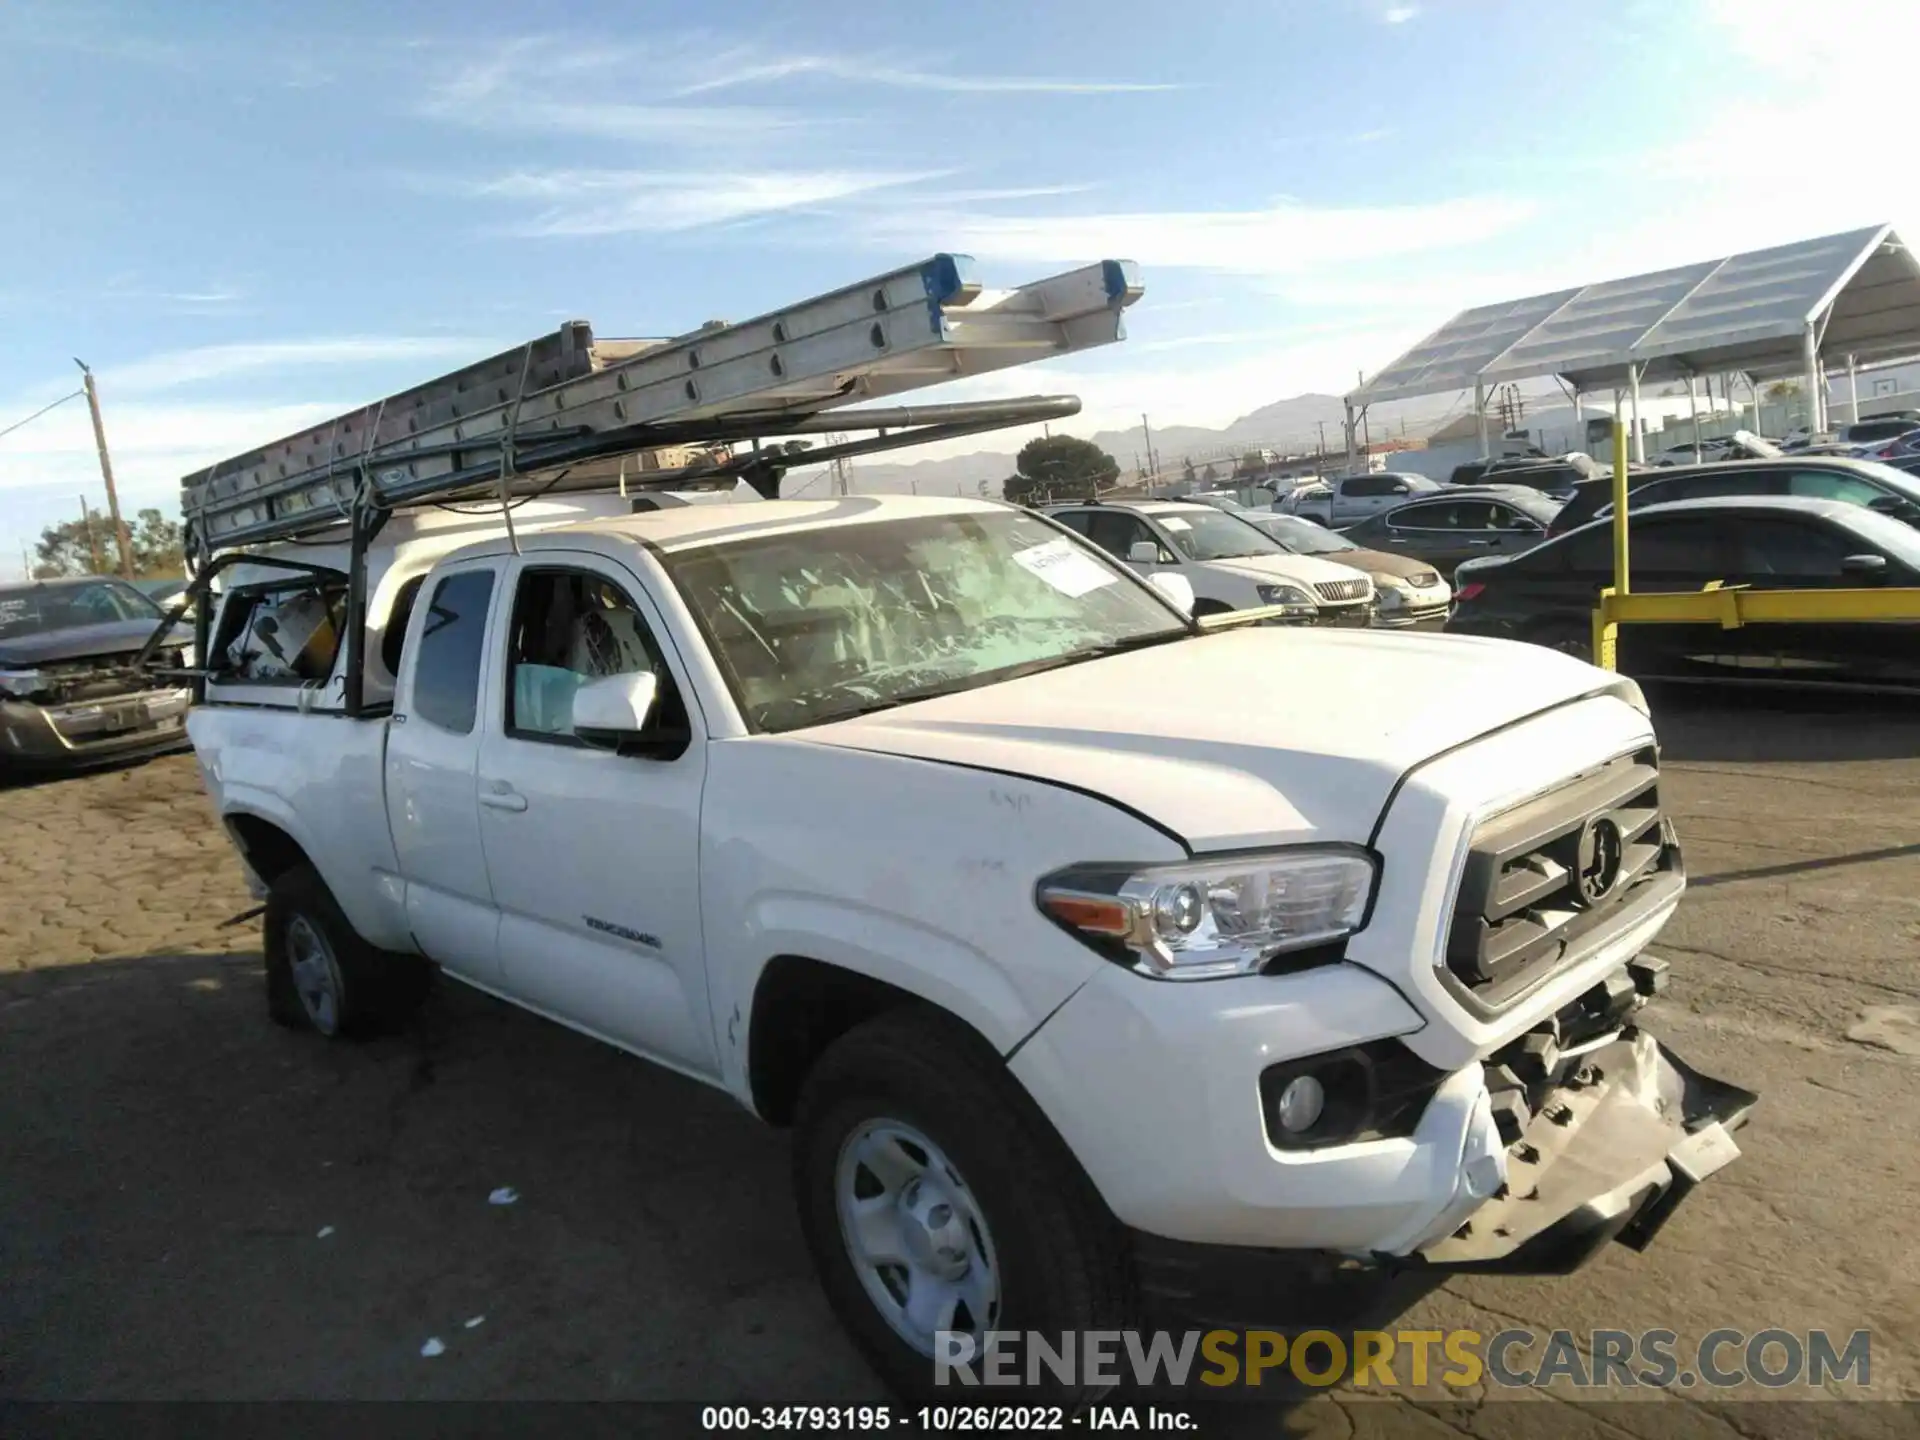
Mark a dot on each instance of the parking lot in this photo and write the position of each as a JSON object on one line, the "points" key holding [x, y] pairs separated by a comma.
{"points": [[195, 1204]]}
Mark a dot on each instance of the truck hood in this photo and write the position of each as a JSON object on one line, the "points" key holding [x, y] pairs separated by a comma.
{"points": [[1258, 736], [115, 639]]}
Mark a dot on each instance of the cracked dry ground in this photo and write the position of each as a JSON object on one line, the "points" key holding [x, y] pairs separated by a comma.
{"points": [[168, 1159]]}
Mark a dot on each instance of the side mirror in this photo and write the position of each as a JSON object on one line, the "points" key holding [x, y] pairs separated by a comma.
{"points": [[1175, 587], [1871, 567], [1144, 552], [1890, 504], [614, 709]]}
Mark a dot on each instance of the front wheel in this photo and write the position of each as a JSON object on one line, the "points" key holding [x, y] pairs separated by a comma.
{"points": [[939, 1206], [322, 976]]}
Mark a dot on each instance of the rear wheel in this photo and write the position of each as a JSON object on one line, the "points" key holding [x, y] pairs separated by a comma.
{"points": [[322, 976], [940, 1206]]}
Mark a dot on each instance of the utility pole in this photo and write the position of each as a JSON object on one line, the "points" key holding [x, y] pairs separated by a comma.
{"points": [[1153, 465], [93, 540], [1322, 452], [106, 474]]}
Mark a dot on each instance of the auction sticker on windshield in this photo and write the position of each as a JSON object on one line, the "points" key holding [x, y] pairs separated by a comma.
{"points": [[1062, 565]]}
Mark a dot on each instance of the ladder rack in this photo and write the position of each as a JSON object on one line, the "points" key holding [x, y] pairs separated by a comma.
{"points": [[567, 400]]}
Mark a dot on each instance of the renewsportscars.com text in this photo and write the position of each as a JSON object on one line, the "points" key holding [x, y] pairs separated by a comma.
{"points": [[1391, 1359]]}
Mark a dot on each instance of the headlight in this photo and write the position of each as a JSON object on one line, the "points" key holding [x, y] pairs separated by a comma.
{"points": [[21, 683], [1630, 692], [1285, 595], [1204, 919]]}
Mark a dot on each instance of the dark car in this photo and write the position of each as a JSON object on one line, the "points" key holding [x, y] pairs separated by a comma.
{"points": [[70, 693], [1858, 482], [1548, 595], [1878, 429], [1459, 524], [1555, 477]]}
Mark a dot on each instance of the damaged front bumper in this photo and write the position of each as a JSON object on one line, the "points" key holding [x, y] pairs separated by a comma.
{"points": [[1606, 1154], [58, 736]]}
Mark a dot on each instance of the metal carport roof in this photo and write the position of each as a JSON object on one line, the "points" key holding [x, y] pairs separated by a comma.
{"points": [[1854, 294]]}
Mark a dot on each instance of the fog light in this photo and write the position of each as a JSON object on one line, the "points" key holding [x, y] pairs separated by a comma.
{"points": [[1301, 1104]]}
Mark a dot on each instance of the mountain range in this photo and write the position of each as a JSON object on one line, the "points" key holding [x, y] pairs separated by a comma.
{"points": [[1293, 425]]}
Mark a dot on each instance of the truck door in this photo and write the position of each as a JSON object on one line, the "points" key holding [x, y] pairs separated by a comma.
{"points": [[595, 856], [433, 747]]}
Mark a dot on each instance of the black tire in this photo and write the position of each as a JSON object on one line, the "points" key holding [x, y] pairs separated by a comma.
{"points": [[1064, 1263], [374, 991]]}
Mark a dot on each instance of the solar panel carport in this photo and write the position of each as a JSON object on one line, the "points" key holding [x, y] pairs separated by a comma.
{"points": [[1764, 314]]}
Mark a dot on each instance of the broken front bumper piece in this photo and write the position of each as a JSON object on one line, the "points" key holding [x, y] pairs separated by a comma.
{"points": [[1609, 1154]]}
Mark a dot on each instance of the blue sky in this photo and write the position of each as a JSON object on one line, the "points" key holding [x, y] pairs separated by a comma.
{"points": [[250, 217]]}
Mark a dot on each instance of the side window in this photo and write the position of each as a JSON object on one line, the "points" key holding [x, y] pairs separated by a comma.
{"points": [[446, 672], [1687, 548], [1421, 517], [1477, 515], [1365, 487], [1506, 517], [1832, 485], [1116, 532], [569, 627], [393, 639], [1074, 520], [1781, 547]]}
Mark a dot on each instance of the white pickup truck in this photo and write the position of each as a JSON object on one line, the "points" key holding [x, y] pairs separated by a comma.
{"points": [[1085, 946]]}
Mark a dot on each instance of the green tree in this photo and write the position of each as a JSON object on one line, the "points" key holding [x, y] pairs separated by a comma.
{"points": [[1060, 467], [68, 549], [157, 547]]}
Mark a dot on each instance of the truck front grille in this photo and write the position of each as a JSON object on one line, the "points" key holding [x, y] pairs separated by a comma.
{"points": [[1563, 872], [1338, 590]]}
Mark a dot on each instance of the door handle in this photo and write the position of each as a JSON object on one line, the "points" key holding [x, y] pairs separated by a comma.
{"points": [[503, 797]]}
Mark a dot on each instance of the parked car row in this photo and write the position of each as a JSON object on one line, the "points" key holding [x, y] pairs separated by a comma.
{"points": [[1527, 564]]}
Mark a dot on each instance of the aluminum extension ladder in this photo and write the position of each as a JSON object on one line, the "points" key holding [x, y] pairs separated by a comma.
{"points": [[918, 326]]}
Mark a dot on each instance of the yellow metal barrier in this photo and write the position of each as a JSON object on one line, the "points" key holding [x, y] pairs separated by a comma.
{"points": [[1727, 606]]}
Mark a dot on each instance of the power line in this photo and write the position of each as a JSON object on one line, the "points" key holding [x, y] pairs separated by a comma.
{"points": [[42, 410]]}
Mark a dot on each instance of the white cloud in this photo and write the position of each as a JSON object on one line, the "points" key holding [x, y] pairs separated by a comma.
{"points": [[1286, 239], [179, 368], [614, 202], [873, 70], [1399, 14]]}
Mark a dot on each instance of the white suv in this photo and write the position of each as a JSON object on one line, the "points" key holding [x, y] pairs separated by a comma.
{"points": [[1231, 564]]}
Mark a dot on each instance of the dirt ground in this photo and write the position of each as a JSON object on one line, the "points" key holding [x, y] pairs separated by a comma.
{"points": [[195, 1204]]}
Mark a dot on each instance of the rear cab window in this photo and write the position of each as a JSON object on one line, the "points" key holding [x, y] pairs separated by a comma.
{"points": [[453, 635]]}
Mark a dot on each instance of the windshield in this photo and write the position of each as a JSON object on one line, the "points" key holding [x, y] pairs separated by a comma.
{"points": [[41, 609], [1303, 537], [1206, 534], [1890, 476], [819, 625]]}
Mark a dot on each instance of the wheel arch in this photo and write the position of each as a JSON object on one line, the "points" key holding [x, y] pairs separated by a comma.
{"points": [[801, 1005]]}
